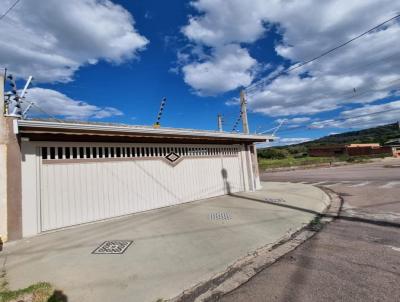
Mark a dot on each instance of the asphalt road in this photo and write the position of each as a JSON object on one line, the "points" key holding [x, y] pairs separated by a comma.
{"points": [[354, 258]]}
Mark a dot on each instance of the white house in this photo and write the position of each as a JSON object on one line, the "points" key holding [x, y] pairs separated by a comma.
{"points": [[61, 174]]}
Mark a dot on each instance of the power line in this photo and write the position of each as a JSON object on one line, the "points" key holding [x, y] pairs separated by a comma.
{"points": [[263, 81], [352, 94], [45, 112], [8, 10], [339, 120], [347, 96]]}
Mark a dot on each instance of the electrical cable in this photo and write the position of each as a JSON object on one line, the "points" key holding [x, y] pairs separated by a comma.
{"points": [[348, 96], [8, 10], [338, 120], [263, 81], [45, 112]]}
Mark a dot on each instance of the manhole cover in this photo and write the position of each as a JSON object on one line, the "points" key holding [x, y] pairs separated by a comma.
{"points": [[275, 200], [220, 216], [113, 247]]}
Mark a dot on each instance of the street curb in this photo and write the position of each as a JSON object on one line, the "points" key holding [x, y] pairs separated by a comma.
{"points": [[245, 268]]}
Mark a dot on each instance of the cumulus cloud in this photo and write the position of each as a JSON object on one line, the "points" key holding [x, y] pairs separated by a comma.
{"points": [[361, 72], [295, 120], [364, 117], [220, 27], [224, 22], [52, 39], [58, 104], [228, 68], [284, 141]]}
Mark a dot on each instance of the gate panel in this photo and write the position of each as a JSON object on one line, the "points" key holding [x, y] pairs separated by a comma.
{"points": [[84, 182]]}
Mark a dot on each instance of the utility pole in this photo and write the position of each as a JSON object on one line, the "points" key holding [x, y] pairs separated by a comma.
{"points": [[243, 110], [220, 122], [252, 150]]}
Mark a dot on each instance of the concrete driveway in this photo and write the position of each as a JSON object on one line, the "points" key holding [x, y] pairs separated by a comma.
{"points": [[173, 248]]}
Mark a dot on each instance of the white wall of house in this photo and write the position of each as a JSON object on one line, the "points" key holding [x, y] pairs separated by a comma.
{"points": [[58, 191]]}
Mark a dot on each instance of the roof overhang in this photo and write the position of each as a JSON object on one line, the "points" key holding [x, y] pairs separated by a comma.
{"points": [[48, 130]]}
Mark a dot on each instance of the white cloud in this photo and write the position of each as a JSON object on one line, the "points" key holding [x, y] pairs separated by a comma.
{"points": [[58, 104], [364, 117], [229, 67], [293, 140], [370, 65], [52, 39], [224, 22], [232, 102], [285, 141], [221, 27], [295, 120]]}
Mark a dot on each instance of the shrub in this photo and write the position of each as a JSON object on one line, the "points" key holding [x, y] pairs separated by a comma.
{"points": [[271, 153]]}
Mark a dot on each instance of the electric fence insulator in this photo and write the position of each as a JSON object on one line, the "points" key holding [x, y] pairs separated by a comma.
{"points": [[160, 112]]}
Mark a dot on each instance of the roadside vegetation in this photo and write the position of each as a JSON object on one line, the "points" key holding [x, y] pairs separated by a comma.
{"points": [[293, 156], [291, 162], [289, 156], [296, 155], [39, 292]]}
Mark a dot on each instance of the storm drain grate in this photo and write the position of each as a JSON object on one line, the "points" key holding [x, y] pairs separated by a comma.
{"points": [[275, 200], [113, 247], [220, 216]]}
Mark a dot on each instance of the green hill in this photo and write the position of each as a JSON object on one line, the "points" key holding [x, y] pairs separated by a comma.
{"points": [[379, 134]]}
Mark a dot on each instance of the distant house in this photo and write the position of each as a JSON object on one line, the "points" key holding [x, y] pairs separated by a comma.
{"points": [[395, 145], [331, 150], [349, 150]]}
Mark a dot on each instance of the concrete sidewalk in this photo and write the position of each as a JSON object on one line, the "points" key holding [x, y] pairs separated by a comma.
{"points": [[173, 248]]}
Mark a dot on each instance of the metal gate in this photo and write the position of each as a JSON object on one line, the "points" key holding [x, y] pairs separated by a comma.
{"points": [[82, 182]]}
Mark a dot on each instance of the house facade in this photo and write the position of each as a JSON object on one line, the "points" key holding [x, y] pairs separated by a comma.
{"points": [[61, 174]]}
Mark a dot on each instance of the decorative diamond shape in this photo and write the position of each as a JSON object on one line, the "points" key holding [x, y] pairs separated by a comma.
{"points": [[172, 157], [113, 247]]}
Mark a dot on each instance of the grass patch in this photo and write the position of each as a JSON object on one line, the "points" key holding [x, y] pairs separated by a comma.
{"points": [[315, 224], [292, 161], [39, 292]]}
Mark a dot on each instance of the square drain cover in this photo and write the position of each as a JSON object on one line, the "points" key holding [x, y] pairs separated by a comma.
{"points": [[220, 216], [113, 247]]}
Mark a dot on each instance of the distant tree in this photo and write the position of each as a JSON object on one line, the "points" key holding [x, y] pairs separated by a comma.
{"points": [[272, 153]]}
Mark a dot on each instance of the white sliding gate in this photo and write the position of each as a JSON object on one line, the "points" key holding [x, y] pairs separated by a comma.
{"points": [[84, 182]]}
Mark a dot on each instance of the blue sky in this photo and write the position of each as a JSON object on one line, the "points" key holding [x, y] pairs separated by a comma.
{"points": [[113, 61]]}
